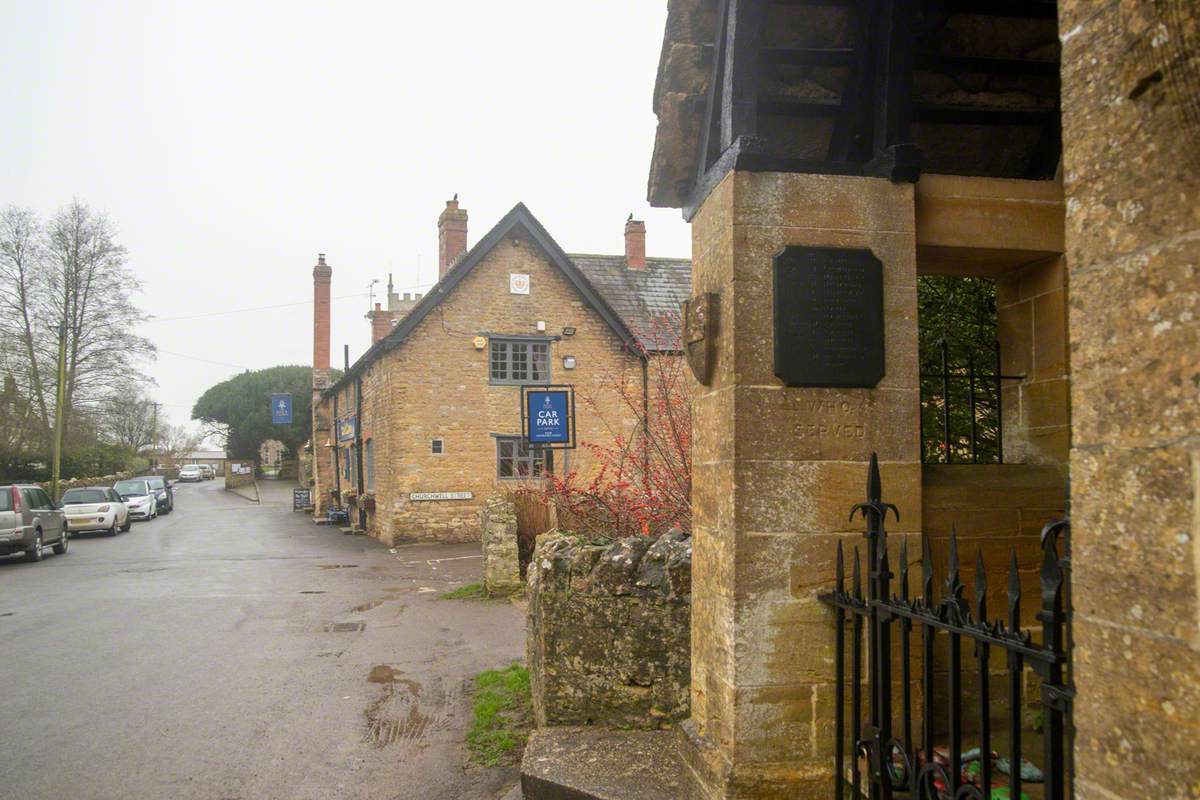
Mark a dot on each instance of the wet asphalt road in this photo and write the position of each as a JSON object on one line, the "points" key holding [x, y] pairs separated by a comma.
{"points": [[193, 657]]}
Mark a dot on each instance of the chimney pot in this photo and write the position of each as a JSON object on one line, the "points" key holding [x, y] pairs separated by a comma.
{"points": [[635, 243], [322, 277], [452, 236]]}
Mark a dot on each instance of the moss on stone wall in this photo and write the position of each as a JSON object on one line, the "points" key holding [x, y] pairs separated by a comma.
{"points": [[609, 631]]}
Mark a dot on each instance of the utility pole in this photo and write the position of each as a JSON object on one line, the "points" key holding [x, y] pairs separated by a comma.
{"points": [[154, 428], [60, 401]]}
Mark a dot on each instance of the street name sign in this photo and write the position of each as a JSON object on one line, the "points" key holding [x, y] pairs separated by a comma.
{"points": [[419, 496]]}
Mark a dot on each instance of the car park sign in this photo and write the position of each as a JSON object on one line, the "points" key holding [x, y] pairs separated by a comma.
{"points": [[281, 409], [548, 414]]}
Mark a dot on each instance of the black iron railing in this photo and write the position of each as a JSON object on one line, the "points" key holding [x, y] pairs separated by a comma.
{"points": [[886, 760], [962, 415]]}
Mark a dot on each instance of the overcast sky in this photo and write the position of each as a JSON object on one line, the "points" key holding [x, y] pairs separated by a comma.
{"points": [[231, 142]]}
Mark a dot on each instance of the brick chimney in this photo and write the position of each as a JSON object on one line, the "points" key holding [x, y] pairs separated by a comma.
{"points": [[635, 243], [452, 236], [322, 277], [381, 323]]}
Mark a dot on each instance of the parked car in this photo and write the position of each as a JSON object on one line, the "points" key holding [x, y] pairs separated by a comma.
{"points": [[139, 497], [96, 508], [190, 473], [29, 520], [164, 495], [208, 471]]}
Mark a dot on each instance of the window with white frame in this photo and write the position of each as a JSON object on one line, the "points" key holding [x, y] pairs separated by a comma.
{"points": [[515, 459], [519, 361], [437, 446]]}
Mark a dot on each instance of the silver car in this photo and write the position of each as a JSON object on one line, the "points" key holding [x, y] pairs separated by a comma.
{"points": [[29, 520], [141, 501]]}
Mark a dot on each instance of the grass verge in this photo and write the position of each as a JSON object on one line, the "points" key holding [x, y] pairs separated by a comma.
{"points": [[475, 591], [501, 716], [472, 591]]}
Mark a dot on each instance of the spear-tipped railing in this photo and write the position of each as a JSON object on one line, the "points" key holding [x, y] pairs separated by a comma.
{"points": [[884, 762]]}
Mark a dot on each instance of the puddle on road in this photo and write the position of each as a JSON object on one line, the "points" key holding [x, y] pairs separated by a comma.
{"points": [[338, 566], [368, 605], [386, 674], [399, 717], [144, 569]]}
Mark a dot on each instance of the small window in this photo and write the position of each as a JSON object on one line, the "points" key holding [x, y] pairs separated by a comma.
{"points": [[516, 361], [437, 447], [515, 460], [6, 499], [370, 466]]}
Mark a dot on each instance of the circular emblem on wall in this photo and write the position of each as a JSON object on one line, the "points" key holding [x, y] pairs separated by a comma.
{"points": [[518, 283]]}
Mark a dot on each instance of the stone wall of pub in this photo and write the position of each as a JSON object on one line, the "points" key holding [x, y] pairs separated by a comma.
{"points": [[435, 386]]}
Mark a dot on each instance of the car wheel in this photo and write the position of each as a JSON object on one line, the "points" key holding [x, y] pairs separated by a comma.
{"points": [[128, 524], [112, 531], [60, 547], [35, 553]]}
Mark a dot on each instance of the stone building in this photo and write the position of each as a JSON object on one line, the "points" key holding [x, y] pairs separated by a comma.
{"points": [[1049, 148], [427, 423]]}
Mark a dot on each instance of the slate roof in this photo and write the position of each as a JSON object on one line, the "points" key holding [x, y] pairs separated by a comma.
{"points": [[646, 300], [626, 303]]}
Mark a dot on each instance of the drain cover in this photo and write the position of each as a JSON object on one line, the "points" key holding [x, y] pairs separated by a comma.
{"points": [[345, 627]]}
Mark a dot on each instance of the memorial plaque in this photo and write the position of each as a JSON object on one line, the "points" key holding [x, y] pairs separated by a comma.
{"points": [[828, 317]]}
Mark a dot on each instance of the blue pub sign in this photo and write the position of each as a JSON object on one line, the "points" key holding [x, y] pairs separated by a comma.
{"points": [[281, 409], [549, 416]]}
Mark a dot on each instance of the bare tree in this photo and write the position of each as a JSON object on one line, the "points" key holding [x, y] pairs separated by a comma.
{"points": [[129, 422], [89, 297], [177, 441], [22, 293]]}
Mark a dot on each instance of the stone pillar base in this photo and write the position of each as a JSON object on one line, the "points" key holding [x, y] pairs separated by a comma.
{"points": [[707, 775]]}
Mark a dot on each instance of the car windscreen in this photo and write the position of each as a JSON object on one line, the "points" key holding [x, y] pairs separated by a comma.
{"points": [[125, 488], [81, 496], [157, 483]]}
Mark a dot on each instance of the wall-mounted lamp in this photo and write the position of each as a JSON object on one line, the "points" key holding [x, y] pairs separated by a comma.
{"points": [[569, 330], [479, 342], [568, 362], [541, 326]]}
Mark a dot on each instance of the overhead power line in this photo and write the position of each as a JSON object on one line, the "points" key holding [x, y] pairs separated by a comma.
{"points": [[276, 305]]}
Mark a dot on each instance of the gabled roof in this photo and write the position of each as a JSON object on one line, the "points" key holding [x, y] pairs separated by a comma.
{"points": [[646, 299], [518, 218]]}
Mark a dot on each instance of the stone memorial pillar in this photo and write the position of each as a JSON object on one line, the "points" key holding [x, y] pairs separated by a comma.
{"points": [[777, 468]]}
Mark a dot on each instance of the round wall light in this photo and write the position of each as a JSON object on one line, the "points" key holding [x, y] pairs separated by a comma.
{"points": [[568, 362]]}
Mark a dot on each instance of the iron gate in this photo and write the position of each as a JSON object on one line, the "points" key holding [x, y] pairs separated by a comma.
{"points": [[884, 760]]}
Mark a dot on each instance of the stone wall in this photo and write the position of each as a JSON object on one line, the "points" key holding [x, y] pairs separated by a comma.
{"points": [[501, 558], [1133, 250], [608, 638]]}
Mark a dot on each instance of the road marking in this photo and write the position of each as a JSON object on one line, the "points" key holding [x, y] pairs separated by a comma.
{"points": [[432, 561]]}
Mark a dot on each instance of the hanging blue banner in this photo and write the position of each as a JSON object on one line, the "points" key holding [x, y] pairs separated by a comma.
{"points": [[548, 416], [281, 409], [347, 428]]}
